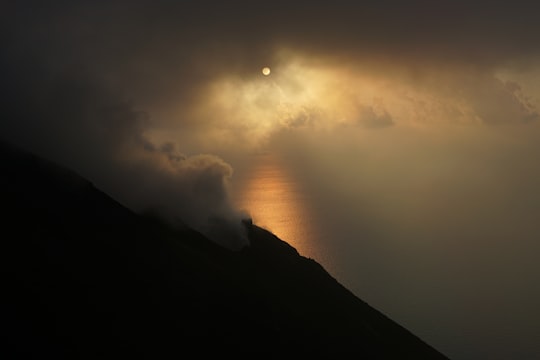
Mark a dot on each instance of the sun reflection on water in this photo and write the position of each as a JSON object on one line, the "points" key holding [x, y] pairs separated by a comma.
{"points": [[275, 202]]}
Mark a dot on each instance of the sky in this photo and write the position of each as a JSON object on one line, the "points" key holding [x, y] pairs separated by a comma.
{"points": [[413, 125]]}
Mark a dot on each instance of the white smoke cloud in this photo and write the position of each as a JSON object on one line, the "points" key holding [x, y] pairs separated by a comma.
{"points": [[185, 190], [92, 130]]}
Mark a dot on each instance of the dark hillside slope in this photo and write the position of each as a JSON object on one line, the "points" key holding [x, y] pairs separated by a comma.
{"points": [[85, 277]]}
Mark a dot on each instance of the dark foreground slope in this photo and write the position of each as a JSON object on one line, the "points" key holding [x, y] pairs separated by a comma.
{"points": [[84, 277]]}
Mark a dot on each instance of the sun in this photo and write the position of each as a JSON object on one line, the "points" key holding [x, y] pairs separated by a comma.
{"points": [[266, 71]]}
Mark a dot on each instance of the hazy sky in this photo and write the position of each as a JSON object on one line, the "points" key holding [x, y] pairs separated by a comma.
{"points": [[415, 123]]}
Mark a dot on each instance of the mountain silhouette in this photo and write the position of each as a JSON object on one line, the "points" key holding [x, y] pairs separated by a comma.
{"points": [[87, 278]]}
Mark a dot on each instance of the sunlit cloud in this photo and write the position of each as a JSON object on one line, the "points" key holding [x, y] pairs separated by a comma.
{"points": [[321, 95]]}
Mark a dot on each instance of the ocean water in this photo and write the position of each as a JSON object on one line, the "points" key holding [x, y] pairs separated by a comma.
{"points": [[277, 202], [455, 285]]}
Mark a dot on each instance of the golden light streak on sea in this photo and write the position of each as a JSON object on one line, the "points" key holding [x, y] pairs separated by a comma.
{"points": [[275, 202]]}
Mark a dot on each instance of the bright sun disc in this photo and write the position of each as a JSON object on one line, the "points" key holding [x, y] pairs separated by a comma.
{"points": [[266, 71]]}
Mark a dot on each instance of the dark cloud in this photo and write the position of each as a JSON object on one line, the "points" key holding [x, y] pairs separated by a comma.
{"points": [[151, 39], [370, 118], [503, 102]]}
